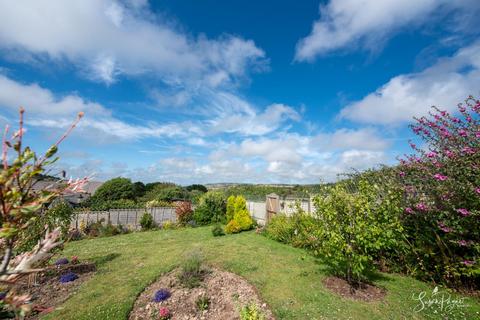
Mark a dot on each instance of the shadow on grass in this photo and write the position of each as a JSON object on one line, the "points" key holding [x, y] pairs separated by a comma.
{"points": [[102, 260]]}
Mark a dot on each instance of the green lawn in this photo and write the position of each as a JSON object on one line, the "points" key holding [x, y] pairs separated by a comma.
{"points": [[288, 279]]}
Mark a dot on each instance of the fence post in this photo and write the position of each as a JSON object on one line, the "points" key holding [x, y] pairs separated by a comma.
{"points": [[109, 221]]}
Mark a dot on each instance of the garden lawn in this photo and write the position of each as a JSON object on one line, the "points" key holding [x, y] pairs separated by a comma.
{"points": [[288, 279]]}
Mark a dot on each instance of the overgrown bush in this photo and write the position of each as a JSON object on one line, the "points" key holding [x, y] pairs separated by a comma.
{"points": [[281, 228], [211, 209], [441, 182], [146, 222], [184, 213], [354, 224]]}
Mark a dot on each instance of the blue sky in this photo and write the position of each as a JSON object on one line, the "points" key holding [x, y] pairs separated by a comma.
{"points": [[233, 91]]}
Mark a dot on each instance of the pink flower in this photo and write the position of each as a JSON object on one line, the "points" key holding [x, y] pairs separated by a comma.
{"points": [[462, 243], [432, 154], [421, 206], [462, 133], [440, 177], [449, 153], [468, 150], [164, 313], [463, 212], [444, 228], [477, 190], [477, 134], [401, 174], [468, 263], [409, 210]]}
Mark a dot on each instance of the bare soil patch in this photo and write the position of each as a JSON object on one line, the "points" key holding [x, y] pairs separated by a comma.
{"points": [[364, 291], [47, 292], [227, 293]]}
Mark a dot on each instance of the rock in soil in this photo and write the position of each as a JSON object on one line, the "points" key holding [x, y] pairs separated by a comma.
{"points": [[227, 293]]}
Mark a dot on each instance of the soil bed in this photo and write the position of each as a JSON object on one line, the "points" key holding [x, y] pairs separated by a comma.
{"points": [[47, 292], [365, 291], [227, 293]]}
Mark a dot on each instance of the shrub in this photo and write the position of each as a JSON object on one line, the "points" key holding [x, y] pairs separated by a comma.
{"points": [[192, 273], [161, 295], [184, 213], [211, 209], [202, 303], [146, 222], [233, 227], [243, 219], [230, 207], [217, 230], [281, 228], [355, 223], [251, 312], [197, 187], [168, 225], [441, 184]]}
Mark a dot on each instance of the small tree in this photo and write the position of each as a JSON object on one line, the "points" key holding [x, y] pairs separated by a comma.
{"points": [[184, 213], [354, 226], [230, 207], [146, 222], [115, 189], [211, 209]]}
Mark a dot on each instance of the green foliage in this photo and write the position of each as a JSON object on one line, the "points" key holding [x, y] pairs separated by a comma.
{"points": [[354, 226], [217, 230], [198, 187], [202, 303], [96, 205], [192, 272], [165, 192], [231, 207], [233, 227], [281, 228], [115, 189], [58, 215], [259, 192], [211, 209], [146, 222], [139, 189], [251, 312]]}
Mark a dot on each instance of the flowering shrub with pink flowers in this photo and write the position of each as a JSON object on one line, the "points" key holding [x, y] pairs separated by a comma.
{"points": [[441, 181]]}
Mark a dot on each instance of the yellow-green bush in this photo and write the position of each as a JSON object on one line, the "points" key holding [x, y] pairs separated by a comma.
{"points": [[230, 207], [237, 212], [233, 227]]}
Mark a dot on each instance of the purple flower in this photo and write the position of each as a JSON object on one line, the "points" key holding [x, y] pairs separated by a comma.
{"points": [[61, 261], [463, 212], [68, 277], [161, 295], [440, 177], [468, 263], [401, 174], [2, 295], [409, 210]]}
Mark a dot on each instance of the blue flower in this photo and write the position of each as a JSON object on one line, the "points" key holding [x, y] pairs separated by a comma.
{"points": [[68, 277], [161, 295]]}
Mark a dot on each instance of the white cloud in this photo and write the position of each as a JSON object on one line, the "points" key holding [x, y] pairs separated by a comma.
{"points": [[113, 38], [345, 23], [444, 84]]}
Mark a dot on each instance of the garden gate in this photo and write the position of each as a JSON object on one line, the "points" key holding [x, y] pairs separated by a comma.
{"points": [[272, 206]]}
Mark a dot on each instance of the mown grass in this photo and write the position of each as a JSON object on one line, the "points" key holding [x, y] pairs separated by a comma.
{"points": [[288, 279]]}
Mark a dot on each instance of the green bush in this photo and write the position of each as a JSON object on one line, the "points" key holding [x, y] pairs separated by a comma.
{"points": [[146, 222], [281, 228], [211, 209], [217, 230], [58, 215], [115, 189], [237, 211], [354, 224]]}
